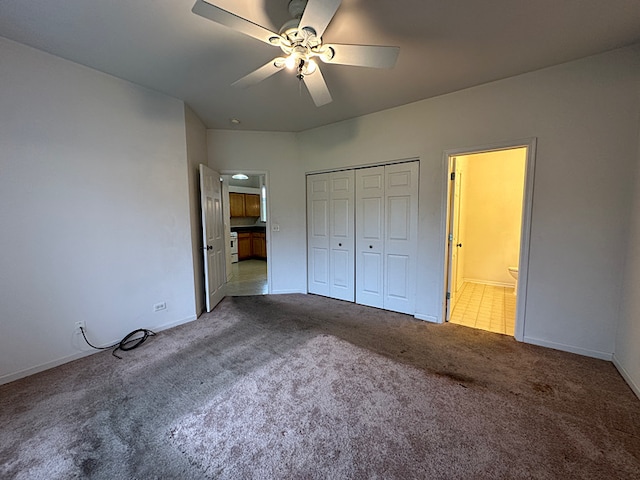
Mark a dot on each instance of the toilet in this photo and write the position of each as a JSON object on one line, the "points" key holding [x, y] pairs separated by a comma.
{"points": [[513, 271]]}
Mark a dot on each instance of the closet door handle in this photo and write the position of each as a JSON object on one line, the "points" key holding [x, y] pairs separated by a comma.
{"points": [[370, 246], [339, 244]]}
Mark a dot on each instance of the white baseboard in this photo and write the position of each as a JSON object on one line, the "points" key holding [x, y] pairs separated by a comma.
{"points": [[627, 378], [286, 292], [166, 326], [427, 318], [45, 366], [569, 348], [75, 356], [489, 282]]}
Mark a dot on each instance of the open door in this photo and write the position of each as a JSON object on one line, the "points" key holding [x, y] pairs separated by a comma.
{"points": [[455, 243], [212, 236]]}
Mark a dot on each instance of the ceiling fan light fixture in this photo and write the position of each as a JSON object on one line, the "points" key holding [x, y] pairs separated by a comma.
{"points": [[300, 40], [310, 67], [291, 61]]}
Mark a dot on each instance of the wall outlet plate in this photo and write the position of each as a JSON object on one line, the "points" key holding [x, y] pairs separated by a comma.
{"points": [[78, 326], [160, 306]]}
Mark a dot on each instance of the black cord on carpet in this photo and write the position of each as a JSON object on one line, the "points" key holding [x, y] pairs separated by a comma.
{"points": [[126, 344]]}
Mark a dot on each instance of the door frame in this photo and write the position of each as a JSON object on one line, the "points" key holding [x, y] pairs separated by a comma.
{"points": [[268, 226], [525, 229]]}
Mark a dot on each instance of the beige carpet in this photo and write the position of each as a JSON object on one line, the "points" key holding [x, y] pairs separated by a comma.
{"points": [[297, 386]]}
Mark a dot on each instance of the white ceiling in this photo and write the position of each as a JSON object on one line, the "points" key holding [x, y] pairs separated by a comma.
{"points": [[445, 45]]}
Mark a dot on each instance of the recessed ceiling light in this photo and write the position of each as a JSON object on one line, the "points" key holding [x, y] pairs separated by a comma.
{"points": [[235, 121], [239, 176]]}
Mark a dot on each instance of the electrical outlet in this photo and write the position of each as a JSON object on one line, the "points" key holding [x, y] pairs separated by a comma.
{"points": [[160, 306], [80, 325]]}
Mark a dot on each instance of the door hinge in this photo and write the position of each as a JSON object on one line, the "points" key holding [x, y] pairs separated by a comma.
{"points": [[451, 237], [448, 295], [453, 175]]}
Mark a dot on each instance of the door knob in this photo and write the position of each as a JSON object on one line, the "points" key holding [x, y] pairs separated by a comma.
{"points": [[209, 247], [370, 246], [339, 244], [458, 245]]}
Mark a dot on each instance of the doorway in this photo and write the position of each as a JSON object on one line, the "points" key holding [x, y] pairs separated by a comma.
{"points": [[488, 220], [246, 219]]}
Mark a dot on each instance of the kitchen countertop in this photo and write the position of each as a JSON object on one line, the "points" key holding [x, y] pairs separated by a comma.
{"points": [[249, 228]]}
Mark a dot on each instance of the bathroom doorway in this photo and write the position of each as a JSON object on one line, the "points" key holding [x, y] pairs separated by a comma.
{"points": [[488, 217]]}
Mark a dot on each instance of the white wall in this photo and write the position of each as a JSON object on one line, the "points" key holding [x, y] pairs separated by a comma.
{"points": [[277, 154], [196, 135], [585, 117], [94, 208], [491, 193], [627, 352]]}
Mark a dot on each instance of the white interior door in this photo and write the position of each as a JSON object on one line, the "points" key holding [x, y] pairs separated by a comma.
{"points": [[341, 215], [458, 236], [212, 235], [455, 277], [318, 235], [370, 236], [401, 236]]}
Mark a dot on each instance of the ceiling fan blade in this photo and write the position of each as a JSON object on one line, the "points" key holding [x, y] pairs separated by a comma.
{"points": [[211, 12], [363, 55], [318, 88], [318, 13], [265, 71]]}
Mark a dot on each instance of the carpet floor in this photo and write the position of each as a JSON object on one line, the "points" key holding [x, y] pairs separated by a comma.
{"points": [[304, 387]]}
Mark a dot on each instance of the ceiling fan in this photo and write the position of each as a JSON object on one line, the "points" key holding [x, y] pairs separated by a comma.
{"points": [[300, 40]]}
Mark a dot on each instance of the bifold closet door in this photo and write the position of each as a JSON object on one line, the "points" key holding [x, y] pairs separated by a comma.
{"points": [[370, 236], [330, 234], [387, 236], [401, 236]]}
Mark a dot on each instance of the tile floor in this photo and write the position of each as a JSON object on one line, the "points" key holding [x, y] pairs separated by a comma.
{"points": [[248, 277], [486, 307]]}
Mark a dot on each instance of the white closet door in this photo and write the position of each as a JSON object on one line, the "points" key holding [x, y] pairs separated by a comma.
{"points": [[370, 227], [341, 244], [401, 236], [318, 237], [330, 234]]}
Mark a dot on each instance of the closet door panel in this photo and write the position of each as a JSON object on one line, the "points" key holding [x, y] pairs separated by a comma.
{"points": [[370, 236], [342, 263], [401, 236], [318, 235], [371, 279]]}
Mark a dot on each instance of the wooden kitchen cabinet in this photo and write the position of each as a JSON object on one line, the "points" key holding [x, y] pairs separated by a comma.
{"points": [[244, 204], [258, 245], [244, 245], [252, 245], [236, 204], [251, 205]]}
